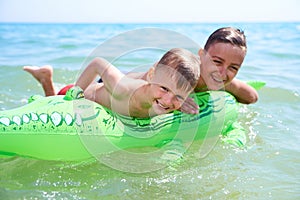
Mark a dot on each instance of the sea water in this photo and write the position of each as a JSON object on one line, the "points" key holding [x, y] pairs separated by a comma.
{"points": [[268, 168]]}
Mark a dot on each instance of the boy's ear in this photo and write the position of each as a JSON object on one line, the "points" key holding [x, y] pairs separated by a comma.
{"points": [[201, 52], [150, 73]]}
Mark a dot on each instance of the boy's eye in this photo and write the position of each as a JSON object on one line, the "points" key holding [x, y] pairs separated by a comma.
{"points": [[234, 68], [217, 62], [164, 88], [180, 98]]}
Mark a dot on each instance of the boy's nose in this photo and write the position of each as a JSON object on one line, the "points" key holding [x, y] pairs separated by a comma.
{"points": [[171, 100], [168, 98], [223, 72]]}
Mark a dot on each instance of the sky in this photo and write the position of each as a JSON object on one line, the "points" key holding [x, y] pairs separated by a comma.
{"points": [[149, 11]]}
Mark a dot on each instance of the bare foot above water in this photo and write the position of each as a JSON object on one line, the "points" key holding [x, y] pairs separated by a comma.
{"points": [[44, 76], [41, 74]]}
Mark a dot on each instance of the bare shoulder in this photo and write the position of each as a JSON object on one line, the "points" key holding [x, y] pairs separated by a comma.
{"points": [[127, 86], [135, 75]]}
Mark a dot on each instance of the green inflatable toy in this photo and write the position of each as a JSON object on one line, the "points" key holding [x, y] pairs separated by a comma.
{"points": [[66, 129]]}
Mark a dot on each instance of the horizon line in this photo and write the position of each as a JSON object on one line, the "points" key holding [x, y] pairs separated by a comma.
{"points": [[148, 22]]}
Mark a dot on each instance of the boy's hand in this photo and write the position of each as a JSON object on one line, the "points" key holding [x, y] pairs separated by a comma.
{"points": [[189, 106]]}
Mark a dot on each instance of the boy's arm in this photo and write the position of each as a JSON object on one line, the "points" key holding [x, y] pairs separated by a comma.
{"points": [[109, 74], [243, 93]]}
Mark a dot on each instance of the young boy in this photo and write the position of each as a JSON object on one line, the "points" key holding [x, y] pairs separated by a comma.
{"points": [[156, 94], [221, 59], [226, 49]]}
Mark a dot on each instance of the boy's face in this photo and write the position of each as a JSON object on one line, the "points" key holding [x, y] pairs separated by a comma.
{"points": [[220, 64], [166, 96]]}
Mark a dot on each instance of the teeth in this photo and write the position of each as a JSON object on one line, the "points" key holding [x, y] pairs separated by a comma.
{"points": [[217, 79], [161, 105]]}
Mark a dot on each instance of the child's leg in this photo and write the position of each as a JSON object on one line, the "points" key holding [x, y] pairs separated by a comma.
{"points": [[44, 76]]}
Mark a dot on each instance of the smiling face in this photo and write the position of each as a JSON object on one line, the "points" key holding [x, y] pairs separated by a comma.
{"points": [[166, 97], [219, 65], [172, 79]]}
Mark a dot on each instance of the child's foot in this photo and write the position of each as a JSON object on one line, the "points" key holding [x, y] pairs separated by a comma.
{"points": [[41, 74], [44, 76]]}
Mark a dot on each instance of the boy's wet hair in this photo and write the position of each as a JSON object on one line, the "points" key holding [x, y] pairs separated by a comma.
{"points": [[230, 35], [185, 67]]}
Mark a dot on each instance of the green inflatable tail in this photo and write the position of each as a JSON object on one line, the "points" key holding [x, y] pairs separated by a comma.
{"points": [[256, 84]]}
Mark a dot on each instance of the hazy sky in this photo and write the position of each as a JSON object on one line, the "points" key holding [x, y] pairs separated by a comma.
{"points": [[119, 11]]}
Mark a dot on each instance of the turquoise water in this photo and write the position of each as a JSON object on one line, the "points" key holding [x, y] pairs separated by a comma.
{"points": [[267, 169]]}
